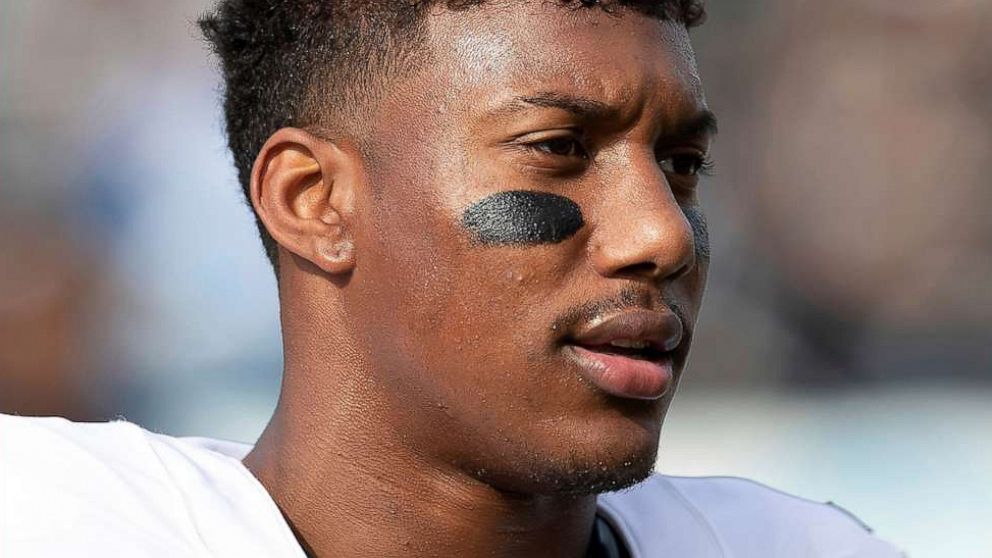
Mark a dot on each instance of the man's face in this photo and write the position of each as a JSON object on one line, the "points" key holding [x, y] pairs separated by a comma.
{"points": [[530, 206]]}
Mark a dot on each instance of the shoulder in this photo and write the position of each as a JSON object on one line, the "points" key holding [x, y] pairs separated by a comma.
{"points": [[119, 489], [86, 486], [62, 451], [727, 516]]}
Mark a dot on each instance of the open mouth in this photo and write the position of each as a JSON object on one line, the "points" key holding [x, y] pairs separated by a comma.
{"points": [[638, 350], [628, 354]]}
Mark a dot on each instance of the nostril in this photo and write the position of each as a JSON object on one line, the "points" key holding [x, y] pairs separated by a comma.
{"points": [[642, 269], [653, 271]]}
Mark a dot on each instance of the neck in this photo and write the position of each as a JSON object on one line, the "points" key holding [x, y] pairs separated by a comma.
{"points": [[349, 486]]}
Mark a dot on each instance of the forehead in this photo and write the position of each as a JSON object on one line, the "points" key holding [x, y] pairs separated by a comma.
{"points": [[505, 49]]}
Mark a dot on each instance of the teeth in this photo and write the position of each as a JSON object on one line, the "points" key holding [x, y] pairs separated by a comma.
{"points": [[630, 344]]}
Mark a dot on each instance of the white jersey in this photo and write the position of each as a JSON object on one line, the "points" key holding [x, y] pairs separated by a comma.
{"points": [[114, 489]]}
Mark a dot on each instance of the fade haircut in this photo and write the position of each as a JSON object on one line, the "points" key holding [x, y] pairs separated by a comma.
{"points": [[295, 62]]}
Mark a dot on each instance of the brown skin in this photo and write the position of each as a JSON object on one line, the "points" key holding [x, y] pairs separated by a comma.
{"points": [[427, 407]]}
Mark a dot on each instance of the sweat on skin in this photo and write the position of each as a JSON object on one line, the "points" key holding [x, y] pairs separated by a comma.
{"points": [[412, 335], [430, 407]]}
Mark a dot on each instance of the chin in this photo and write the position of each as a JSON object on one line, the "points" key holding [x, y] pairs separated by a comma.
{"points": [[598, 459], [581, 479]]}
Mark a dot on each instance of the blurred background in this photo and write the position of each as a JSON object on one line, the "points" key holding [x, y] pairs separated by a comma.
{"points": [[845, 348]]}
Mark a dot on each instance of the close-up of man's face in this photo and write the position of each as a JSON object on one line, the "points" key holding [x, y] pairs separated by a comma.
{"points": [[420, 278], [530, 255]]}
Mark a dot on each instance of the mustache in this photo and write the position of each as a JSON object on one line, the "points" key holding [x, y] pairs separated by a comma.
{"points": [[632, 296]]}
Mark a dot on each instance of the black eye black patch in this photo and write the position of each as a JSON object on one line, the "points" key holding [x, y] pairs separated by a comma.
{"points": [[700, 232], [523, 217]]}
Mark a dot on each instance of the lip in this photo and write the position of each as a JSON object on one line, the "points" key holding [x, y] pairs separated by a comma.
{"points": [[662, 330], [625, 377], [621, 375]]}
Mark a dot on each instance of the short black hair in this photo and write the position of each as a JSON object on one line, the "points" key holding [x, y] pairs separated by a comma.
{"points": [[278, 57]]}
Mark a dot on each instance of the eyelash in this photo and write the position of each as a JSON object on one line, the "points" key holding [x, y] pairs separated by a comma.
{"points": [[702, 165], [538, 146]]}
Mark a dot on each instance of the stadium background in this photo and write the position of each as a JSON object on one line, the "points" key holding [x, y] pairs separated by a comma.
{"points": [[845, 349]]}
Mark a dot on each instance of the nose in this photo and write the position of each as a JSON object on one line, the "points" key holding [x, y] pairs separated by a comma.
{"points": [[643, 233]]}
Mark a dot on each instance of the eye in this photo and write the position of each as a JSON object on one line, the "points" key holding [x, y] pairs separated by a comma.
{"points": [[561, 146], [685, 164]]}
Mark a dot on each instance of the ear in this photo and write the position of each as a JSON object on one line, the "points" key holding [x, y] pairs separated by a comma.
{"points": [[302, 189]]}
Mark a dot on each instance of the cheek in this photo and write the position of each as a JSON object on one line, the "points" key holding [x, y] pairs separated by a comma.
{"points": [[522, 217], [450, 300]]}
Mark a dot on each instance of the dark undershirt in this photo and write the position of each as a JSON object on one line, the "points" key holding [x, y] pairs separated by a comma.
{"points": [[604, 542]]}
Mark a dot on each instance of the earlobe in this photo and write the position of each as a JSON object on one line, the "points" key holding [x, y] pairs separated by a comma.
{"points": [[336, 255], [301, 190]]}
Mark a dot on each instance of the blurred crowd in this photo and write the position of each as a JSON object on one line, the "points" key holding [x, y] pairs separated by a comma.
{"points": [[852, 208], [849, 212]]}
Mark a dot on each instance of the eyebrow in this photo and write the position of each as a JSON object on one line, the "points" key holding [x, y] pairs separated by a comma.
{"points": [[579, 106], [702, 123]]}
